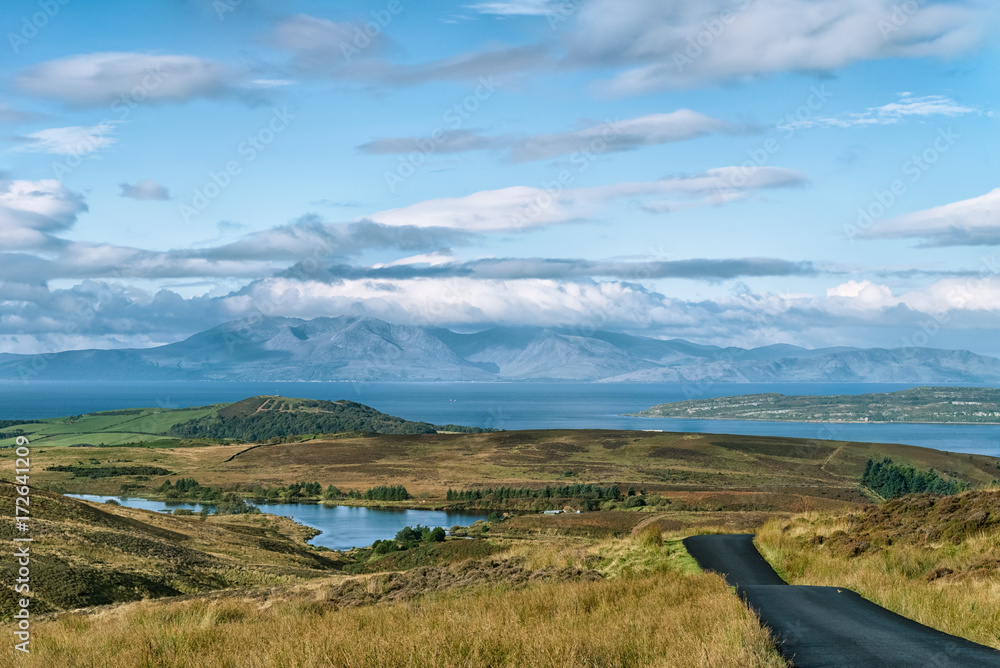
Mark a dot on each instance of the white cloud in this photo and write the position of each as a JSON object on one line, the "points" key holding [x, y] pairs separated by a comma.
{"points": [[73, 140], [110, 78], [321, 44], [353, 51], [858, 313], [970, 222], [32, 211], [623, 135], [862, 295], [664, 44], [145, 190], [458, 301], [522, 207], [891, 113], [607, 137], [515, 7]]}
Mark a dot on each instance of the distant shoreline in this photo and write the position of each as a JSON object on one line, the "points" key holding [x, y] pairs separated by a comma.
{"points": [[746, 419]]}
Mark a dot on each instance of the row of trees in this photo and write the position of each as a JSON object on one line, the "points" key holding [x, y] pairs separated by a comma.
{"points": [[575, 491], [108, 471], [891, 480], [387, 493], [189, 488]]}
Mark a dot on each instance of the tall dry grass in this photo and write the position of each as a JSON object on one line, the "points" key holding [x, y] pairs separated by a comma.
{"points": [[660, 617], [953, 588]]}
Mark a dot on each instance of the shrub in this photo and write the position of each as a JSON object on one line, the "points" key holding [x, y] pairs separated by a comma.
{"points": [[651, 537], [384, 546]]}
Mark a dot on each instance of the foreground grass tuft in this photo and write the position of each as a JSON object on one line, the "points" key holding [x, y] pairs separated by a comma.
{"points": [[647, 611]]}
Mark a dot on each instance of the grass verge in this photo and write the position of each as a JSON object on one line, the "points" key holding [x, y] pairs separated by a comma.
{"points": [[932, 559]]}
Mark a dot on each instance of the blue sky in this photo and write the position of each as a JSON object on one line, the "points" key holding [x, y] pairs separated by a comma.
{"points": [[745, 172]]}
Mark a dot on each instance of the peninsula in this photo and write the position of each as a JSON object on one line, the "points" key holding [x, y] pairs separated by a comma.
{"points": [[978, 405]]}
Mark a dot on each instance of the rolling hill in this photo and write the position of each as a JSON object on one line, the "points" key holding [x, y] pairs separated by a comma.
{"points": [[253, 419]]}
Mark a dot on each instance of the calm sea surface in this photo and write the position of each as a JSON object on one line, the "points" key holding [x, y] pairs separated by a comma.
{"points": [[343, 527], [503, 405]]}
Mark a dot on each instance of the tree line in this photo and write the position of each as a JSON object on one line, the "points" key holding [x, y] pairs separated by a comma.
{"points": [[189, 488], [574, 491], [890, 480]]}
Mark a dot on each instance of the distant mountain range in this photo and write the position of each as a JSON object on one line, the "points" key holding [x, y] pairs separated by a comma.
{"points": [[352, 348]]}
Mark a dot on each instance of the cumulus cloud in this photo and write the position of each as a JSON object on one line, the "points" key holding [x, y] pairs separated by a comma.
{"points": [[862, 294], [31, 215], [662, 44], [145, 190], [73, 140], [610, 136], [523, 207], [112, 315], [110, 78], [32, 212], [969, 222]]}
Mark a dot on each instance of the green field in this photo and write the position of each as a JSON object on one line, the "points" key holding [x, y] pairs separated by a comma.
{"points": [[147, 426]]}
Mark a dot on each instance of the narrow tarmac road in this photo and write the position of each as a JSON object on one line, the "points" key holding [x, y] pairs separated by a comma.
{"points": [[820, 627]]}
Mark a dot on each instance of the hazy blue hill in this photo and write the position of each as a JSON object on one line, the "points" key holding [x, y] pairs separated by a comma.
{"points": [[356, 348]]}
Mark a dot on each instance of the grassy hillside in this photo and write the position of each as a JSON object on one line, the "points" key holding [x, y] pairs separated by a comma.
{"points": [[262, 418], [87, 554], [693, 471], [920, 404], [932, 559], [254, 419], [622, 603]]}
